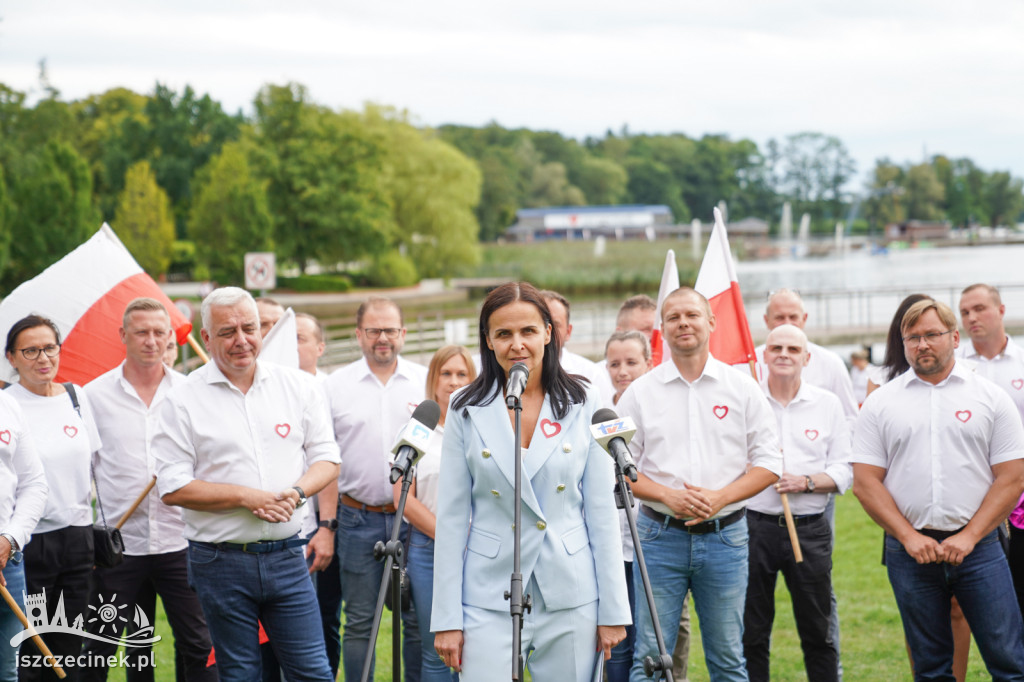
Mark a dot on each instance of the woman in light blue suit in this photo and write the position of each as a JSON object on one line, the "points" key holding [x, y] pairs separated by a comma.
{"points": [[571, 555]]}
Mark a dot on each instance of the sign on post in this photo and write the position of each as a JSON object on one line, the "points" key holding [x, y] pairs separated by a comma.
{"points": [[260, 270]]}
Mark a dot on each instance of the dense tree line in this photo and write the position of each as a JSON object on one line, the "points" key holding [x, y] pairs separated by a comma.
{"points": [[190, 187]]}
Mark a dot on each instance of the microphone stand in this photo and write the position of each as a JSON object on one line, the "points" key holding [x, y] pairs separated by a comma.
{"points": [[392, 553], [514, 595], [624, 501]]}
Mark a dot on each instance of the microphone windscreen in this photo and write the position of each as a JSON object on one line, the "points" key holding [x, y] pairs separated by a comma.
{"points": [[604, 415], [427, 413]]}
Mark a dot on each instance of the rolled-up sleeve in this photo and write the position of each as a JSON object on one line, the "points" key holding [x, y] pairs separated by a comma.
{"points": [[762, 437], [173, 449], [319, 443], [837, 460]]}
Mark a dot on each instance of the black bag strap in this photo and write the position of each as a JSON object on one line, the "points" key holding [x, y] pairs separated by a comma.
{"points": [[70, 388]]}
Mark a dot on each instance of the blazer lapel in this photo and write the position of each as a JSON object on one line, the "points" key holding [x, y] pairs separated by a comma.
{"points": [[547, 439]]}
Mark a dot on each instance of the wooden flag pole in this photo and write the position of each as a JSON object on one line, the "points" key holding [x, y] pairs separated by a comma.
{"points": [[786, 511], [197, 347], [32, 631], [136, 503]]}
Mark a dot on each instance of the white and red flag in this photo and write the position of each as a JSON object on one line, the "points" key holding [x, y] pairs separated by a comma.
{"points": [[669, 283], [731, 341], [85, 294]]}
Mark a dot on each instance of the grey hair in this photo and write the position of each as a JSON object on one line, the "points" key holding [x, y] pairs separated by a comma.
{"points": [[225, 297]]}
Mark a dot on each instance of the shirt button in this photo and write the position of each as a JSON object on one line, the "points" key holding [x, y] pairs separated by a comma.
{"points": [[566, 447], [486, 454], [495, 493], [541, 525], [561, 487]]}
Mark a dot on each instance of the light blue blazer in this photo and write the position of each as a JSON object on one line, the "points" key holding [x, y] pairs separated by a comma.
{"points": [[570, 529]]}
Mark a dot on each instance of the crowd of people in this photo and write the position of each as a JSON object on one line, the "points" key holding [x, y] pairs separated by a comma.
{"points": [[270, 489]]}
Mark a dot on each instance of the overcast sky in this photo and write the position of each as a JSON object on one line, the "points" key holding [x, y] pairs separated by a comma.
{"points": [[896, 78]]}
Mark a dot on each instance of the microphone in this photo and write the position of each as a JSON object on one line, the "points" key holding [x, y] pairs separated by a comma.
{"points": [[412, 441], [517, 377], [613, 434]]}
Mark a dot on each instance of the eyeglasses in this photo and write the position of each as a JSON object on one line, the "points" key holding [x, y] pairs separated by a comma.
{"points": [[930, 338], [52, 350], [374, 332]]}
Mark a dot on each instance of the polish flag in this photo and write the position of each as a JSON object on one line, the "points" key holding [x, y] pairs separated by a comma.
{"points": [[669, 283], [731, 341], [85, 294]]}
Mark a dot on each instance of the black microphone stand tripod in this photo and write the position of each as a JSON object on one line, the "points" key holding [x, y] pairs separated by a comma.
{"points": [[392, 553], [624, 501], [517, 600]]}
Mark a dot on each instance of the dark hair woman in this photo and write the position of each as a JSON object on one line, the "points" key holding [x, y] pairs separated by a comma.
{"points": [[895, 362], [571, 568]]}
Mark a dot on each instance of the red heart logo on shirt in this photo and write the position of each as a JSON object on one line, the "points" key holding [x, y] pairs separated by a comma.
{"points": [[963, 415], [811, 434], [550, 428], [1018, 383], [720, 411], [283, 430], [5, 436], [71, 431]]}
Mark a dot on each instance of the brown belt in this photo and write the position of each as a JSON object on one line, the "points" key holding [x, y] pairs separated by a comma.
{"points": [[356, 504]]}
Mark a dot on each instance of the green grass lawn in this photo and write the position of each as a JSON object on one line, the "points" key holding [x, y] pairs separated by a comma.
{"points": [[872, 637]]}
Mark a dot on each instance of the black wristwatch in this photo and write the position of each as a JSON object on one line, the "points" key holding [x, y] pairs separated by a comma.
{"points": [[302, 496], [329, 524], [810, 484]]}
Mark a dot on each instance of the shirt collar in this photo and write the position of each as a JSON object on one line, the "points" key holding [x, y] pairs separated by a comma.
{"points": [[213, 375], [1010, 350], [712, 370], [802, 393], [403, 368], [126, 385], [961, 372]]}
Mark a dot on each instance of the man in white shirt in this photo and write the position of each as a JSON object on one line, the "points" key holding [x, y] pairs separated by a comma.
{"points": [[370, 401], [705, 442], [571, 362], [938, 463], [125, 402], [815, 440], [994, 355], [23, 492], [309, 334], [240, 444]]}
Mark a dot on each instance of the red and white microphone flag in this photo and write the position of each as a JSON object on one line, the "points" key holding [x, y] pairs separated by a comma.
{"points": [[731, 341], [85, 294], [669, 283]]}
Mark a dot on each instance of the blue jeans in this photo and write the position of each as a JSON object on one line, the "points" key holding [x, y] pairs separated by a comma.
{"points": [[984, 589], [14, 574], [420, 566], [714, 566], [358, 531], [237, 589], [617, 667]]}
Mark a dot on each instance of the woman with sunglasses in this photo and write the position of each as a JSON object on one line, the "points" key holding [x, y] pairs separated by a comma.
{"points": [[60, 557]]}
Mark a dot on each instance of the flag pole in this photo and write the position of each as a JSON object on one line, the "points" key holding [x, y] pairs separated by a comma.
{"points": [[136, 503], [32, 631], [200, 351]]}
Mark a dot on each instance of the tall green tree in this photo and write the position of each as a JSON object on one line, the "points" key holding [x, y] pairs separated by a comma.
{"points": [[325, 182], [924, 194], [53, 212], [1003, 194], [816, 168], [602, 181], [143, 219], [230, 214]]}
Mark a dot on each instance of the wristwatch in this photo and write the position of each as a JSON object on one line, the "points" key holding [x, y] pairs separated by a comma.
{"points": [[329, 524], [15, 549], [302, 496], [810, 484]]}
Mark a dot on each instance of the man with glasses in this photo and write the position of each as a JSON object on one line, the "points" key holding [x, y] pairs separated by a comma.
{"points": [[370, 401], [938, 463]]}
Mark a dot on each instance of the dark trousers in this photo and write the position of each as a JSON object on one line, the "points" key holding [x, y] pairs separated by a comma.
{"points": [[59, 562], [136, 582], [810, 588], [1015, 557]]}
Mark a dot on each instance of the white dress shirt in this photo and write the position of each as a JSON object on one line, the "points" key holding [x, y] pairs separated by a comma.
{"points": [[577, 364], [428, 469], [265, 438], [1006, 370], [704, 433], [825, 370], [22, 479], [815, 438], [65, 442], [124, 465], [938, 443], [367, 416], [603, 382]]}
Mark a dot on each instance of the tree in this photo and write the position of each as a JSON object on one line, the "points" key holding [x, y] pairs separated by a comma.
{"points": [[817, 167], [325, 182], [924, 195], [53, 212], [651, 182], [143, 219], [229, 215], [884, 205], [550, 187], [602, 181], [1004, 198]]}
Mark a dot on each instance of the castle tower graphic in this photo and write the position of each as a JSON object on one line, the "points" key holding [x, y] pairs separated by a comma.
{"points": [[35, 608]]}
